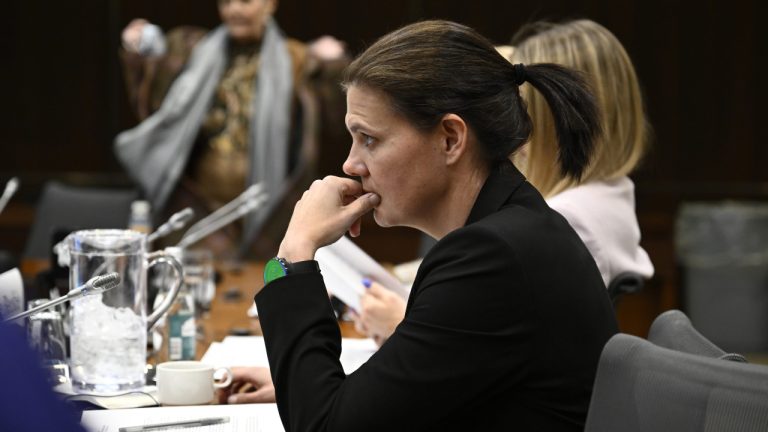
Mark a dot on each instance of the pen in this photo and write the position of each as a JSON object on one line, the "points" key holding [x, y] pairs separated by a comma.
{"points": [[177, 425]]}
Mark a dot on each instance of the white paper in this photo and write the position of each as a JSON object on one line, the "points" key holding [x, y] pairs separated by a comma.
{"points": [[251, 351], [242, 418], [344, 265], [11, 293]]}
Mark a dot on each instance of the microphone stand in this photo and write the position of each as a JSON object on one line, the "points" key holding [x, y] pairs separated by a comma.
{"points": [[252, 192], [176, 222], [94, 285], [214, 224]]}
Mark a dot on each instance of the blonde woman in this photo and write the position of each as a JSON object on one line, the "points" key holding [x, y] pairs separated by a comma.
{"points": [[600, 205]]}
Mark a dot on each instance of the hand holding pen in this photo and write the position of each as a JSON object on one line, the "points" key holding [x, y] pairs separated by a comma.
{"points": [[381, 310]]}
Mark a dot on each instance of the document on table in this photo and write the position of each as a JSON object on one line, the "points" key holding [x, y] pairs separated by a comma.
{"points": [[251, 351], [344, 265], [242, 418]]}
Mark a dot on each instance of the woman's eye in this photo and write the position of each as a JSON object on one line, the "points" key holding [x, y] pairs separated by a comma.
{"points": [[367, 140]]}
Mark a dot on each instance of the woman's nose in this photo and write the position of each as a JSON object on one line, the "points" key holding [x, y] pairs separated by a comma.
{"points": [[353, 166]]}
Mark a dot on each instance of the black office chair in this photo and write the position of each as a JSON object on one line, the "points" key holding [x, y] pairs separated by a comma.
{"points": [[624, 283], [642, 387], [672, 329], [63, 207]]}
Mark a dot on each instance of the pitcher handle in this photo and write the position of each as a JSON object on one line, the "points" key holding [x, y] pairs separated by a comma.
{"points": [[164, 257]]}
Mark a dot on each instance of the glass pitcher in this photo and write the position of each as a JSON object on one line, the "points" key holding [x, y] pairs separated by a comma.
{"points": [[108, 336]]}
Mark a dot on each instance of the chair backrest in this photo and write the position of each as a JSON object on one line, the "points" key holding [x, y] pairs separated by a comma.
{"points": [[624, 283], [672, 329], [642, 387], [71, 208]]}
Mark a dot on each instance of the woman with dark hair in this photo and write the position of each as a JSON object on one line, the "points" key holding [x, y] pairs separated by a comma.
{"points": [[508, 314], [600, 204]]}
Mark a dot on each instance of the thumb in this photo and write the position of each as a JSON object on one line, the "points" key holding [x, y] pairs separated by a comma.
{"points": [[263, 395], [362, 205], [357, 208], [377, 290]]}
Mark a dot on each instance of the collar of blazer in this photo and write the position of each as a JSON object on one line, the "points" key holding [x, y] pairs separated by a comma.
{"points": [[500, 185]]}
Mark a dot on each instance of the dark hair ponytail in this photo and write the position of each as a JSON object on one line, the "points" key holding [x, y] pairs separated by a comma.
{"points": [[433, 68], [574, 111]]}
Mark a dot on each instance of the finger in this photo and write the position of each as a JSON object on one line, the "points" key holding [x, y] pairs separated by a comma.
{"points": [[360, 327], [238, 386], [354, 229], [367, 302], [222, 395], [348, 187], [377, 290], [263, 395], [362, 205]]}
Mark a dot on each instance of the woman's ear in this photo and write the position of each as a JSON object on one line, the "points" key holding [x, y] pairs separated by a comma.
{"points": [[454, 135]]}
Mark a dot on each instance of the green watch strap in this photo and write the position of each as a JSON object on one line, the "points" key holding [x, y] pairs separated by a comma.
{"points": [[277, 267]]}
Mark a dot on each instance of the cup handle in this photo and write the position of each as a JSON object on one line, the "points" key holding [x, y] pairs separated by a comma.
{"points": [[226, 381], [164, 257]]}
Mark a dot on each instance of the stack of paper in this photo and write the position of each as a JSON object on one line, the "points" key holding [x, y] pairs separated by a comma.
{"points": [[251, 351], [344, 265]]}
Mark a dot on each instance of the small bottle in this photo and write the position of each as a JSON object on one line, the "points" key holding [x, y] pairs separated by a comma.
{"points": [[175, 332], [141, 219]]}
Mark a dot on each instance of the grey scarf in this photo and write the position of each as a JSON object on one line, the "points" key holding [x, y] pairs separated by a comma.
{"points": [[155, 152]]}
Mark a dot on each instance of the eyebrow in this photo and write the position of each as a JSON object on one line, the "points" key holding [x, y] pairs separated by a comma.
{"points": [[355, 127]]}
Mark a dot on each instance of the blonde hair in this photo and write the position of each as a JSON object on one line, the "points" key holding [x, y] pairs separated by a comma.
{"points": [[590, 48]]}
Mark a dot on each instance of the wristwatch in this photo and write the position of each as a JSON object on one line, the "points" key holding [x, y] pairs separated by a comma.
{"points": [[278, 267]]}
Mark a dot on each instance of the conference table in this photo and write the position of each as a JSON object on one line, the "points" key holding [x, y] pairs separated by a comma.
{"points": [[234, 296]]}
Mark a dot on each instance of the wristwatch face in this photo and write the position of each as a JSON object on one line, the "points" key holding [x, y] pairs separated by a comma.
{"points": [[274, 269]]}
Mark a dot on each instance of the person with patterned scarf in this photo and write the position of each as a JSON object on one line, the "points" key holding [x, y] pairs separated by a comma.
{"points": [[220, 111]]}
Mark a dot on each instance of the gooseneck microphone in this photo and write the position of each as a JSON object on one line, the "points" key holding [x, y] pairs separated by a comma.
{"points": [[245, 203], [94, 285], [176, 222]]}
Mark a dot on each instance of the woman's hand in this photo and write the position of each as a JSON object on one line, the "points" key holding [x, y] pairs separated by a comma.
{"points": [[249, 385], [381, 312], [329, 208]]}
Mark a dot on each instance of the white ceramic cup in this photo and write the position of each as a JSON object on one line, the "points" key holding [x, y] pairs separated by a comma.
{"points": [[188, 382]]}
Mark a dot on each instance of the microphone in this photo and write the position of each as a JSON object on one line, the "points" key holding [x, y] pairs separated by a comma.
{"points": [[252, 192], [214, 224], [95, 285], [174, 223], [10, 188]]}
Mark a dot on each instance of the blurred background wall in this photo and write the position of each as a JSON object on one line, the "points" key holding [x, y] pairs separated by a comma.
{"points": [[700, 65]]}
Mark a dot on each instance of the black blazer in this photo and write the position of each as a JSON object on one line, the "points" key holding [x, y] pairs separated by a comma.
{"points": [[503, 331]]}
